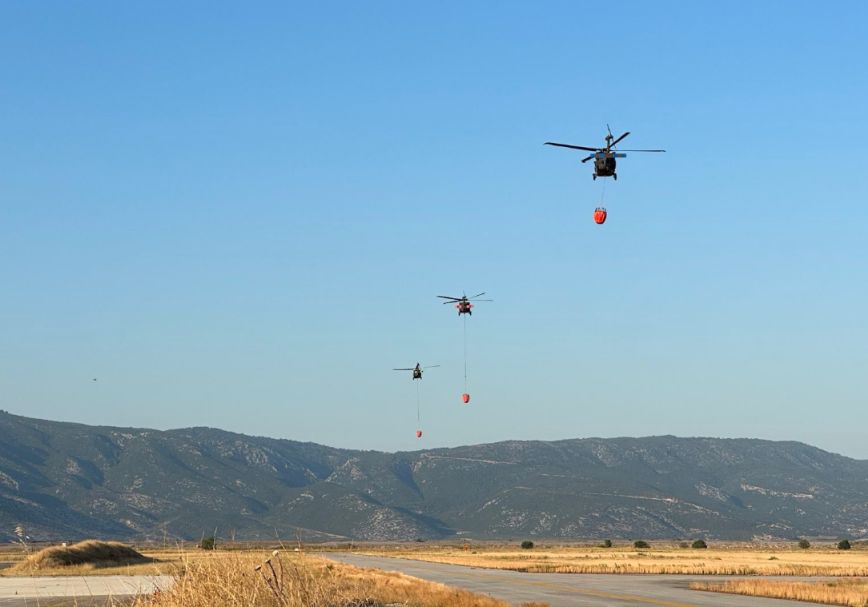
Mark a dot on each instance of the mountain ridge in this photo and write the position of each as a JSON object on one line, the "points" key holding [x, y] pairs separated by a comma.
{"points": [[64, 480]]}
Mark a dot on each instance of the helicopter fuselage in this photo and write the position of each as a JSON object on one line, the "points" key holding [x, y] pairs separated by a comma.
{"points": [[604, 165], [464, 307], [417, 373]]}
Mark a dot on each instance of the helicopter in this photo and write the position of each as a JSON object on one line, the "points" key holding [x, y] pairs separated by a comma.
{"points": [[417, 370], [604, 158], [462, 304]]}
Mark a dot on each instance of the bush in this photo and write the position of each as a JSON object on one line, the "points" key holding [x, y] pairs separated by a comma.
{"points": [[844, 545], [607, 543], [208, 543], [641, 544], [699, 544], [684, 545], [527, 544], [804, 544]]}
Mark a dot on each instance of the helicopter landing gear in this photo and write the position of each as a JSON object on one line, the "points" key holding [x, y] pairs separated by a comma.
{"points": [[594, 176], [615, 175]]}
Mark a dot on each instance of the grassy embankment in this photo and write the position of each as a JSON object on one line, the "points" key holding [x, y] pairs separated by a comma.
{"points": [[90, 557]]}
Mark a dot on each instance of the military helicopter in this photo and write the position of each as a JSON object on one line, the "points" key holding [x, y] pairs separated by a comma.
{"points": [[604, 158], [417, 370], [462, 303]]}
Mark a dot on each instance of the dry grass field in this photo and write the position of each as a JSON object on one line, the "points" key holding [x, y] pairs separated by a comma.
{"points": [[671, 559], [852, 593], [254, 578], [295, 580]]}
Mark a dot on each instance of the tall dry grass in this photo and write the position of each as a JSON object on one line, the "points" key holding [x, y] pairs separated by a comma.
{"points": [[852, 593], [827, 563], [294, 580]]}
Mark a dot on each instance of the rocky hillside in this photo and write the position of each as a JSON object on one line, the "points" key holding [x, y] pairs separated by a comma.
{"points": [[67, 481]]}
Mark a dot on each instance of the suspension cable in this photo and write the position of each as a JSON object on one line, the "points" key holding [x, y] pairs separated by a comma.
{"points": [[465, 352]]}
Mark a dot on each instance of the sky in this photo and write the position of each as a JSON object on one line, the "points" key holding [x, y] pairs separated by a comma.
{"points": [[239, 216]]}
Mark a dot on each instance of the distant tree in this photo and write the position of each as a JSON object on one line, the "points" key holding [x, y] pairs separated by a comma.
{"points": [[844, 545], [641, 544], [527, 544], [804, 544], [208, 543], [699, 544], [684, 545], [607, 543]]}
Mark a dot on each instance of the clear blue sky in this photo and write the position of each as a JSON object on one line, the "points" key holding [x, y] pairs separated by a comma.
{"points": [[239, 216]]}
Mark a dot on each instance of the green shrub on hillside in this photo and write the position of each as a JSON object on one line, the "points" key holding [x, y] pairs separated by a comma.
{"points": [[804, 544], [699, 544], [527, 544], [641, 544]]}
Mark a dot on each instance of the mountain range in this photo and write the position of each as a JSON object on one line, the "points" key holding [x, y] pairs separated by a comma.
{"points": [[64, 481]]}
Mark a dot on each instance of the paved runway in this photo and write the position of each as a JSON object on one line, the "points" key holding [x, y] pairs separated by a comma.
{"points": [[568, 589], [21, 591]]}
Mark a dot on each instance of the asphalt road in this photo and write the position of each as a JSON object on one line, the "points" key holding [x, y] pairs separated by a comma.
{"points": [[91, 590], [568, 589]]}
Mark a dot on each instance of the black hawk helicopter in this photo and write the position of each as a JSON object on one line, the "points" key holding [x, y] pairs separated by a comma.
{"points": [[417, 370], [462, 304], [604, 158]]}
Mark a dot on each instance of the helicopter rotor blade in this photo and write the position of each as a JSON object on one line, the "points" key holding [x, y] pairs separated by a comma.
{"points": [[641, 150], [430, 366], [614, 143], [477, 295], [591, 157], [573, 147], [449, 299], [404, 369], [483, 300]]}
